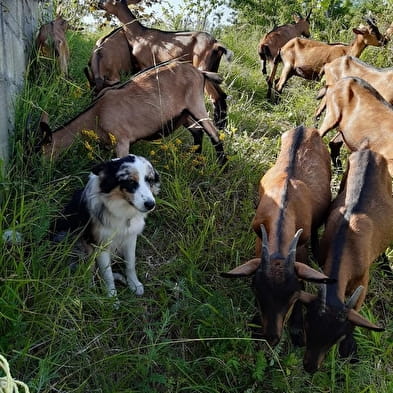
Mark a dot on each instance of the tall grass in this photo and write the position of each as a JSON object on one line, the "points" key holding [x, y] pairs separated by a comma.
{"points": [[190, 331]]}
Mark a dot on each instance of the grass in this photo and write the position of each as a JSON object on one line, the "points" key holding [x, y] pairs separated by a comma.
{"points": [[189, 332]]}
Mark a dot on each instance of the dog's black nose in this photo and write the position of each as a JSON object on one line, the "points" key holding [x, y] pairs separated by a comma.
{"points": [[149, 205]]}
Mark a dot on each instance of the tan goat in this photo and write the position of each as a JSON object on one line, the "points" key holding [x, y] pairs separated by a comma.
{"points": [[153, 103], [380, 78], [110, 59], [51, 42], [271, 43], [152, 46], [305, 58], [294, 196], [360, 113], [358, 230]]}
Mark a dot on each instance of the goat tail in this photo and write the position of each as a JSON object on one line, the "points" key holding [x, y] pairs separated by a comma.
{"points": [[278, 59], [222, 50], [321, 93], [212, 77], [264, 52]]}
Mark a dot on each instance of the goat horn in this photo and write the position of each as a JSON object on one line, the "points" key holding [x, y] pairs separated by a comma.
{"points": [[265, 255], [292, 248], [371, 21], [323, 298], [355, 297], [308, 15]]}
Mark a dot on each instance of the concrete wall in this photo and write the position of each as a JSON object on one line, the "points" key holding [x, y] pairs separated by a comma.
{"points": [[19, 20]]}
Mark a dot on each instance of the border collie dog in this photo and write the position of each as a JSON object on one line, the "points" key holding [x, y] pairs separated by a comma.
{"points": [[111, 212]]}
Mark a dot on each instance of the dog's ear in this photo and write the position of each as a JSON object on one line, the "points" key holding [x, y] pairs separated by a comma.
{"points": [[156, 185], [99, 168], [107, 173]]}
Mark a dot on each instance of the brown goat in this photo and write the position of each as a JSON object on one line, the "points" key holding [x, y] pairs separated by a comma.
{"points": [[305, 58], [358, 230], [271, 43], [154, 102], [294, 196], [152, 46], [380, 78], [360, 113], [51, 42], [110, 59]]}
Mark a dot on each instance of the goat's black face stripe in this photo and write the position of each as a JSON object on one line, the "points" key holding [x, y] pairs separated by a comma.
{"points": [[129, 185]]}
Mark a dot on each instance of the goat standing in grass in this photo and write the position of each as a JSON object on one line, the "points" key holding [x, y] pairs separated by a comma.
{"points": [[294, 196], [360, 113], [271, 43], [152, 46], [51, 42], [153, 103], [379, 78], [305, 58], [358, 230], [111, 57]]}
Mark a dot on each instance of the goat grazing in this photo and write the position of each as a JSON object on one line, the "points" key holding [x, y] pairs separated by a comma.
{"points": [[152, 46], [294, 196], [271, 43], [154, 102], [51, 42], [358, 230], [360, 113], [305, 58], [110, 59]]}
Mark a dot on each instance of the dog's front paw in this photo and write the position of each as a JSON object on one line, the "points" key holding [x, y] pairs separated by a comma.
{"points": [[137, 288]]}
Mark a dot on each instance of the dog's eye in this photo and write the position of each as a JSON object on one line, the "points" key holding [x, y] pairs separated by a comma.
{"points": [[129, 185]]}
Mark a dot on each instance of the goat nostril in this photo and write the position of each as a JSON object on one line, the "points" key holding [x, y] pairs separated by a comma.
{"points": [[149, 205]]}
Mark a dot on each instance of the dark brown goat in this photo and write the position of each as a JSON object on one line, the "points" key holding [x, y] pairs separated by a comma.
{"points": [[305, 58], [294, 196], [110, 59], [152, 46], [380, 78], [358, 230], [51, 42], [360, 113], [271, 43], [154, 102]]}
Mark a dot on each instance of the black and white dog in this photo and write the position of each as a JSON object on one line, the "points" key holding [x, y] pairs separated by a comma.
{"points": [[111, 211]]}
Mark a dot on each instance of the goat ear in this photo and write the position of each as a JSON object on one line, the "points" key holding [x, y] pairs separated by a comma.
{"points": [[358, 320], [306, 298], [307, 273], [357, 31], [245, 270], [46, 132], [296, 17]]}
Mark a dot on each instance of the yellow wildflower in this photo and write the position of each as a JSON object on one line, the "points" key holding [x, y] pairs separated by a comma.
{"points": [[152, 152], [91, 134], [112, 139], [194, 148], [88, 146]]}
